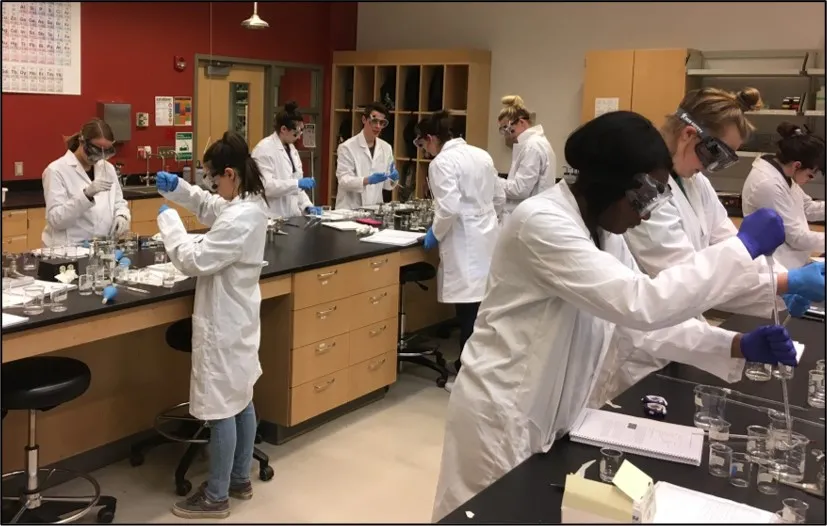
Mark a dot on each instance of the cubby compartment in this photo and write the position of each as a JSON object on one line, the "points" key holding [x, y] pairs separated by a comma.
{"points": [[387, 134], [363, 80], [431, 87], [342, 127], [384, 89], [406, 189], [423, 191], [459, 125], [403, 147], [343, 87], [456, 88], [356, 122], [407, 87]]}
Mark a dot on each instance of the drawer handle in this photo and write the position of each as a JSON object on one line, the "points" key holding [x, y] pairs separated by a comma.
{"points": [[377, 364], [323, 276], [321, 387], [322, 314], [377, 264], [325, 347], [376, 299], [377, 332]]}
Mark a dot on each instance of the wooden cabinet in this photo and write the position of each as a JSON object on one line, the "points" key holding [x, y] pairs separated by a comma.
{"points": [[651, 82]]}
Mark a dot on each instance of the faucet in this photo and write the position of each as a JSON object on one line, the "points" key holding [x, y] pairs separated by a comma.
{"points": [[149, 179], [120, 176]]}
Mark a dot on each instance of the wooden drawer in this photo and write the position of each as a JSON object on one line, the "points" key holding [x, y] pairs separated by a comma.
{"points": [[373, 340], [322, 285], [374, 306], [319, 396], [15, 244], [376, 272], [319, 322], [15, 223], [183, 212], [145, 228], [37, 223], [319, 359], [146, 209], [372, 374]]}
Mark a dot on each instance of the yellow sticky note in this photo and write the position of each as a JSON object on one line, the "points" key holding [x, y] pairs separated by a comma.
{"points": [[632, 481]]}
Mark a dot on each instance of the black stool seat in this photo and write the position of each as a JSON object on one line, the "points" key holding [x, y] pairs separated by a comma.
{"points": [[414, 272], [179, 335], [43, 382]]}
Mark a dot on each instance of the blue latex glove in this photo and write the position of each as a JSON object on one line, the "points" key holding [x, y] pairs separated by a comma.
{"points": [[314, 210], [430, 240], [163, 209], [125, 262], [118, 254], [378, 177], [797, 305], [109, 294], [394, 175], [166, 182], [807, 281], [762, 232], [85, 243], [769, 344], [307, 183]]}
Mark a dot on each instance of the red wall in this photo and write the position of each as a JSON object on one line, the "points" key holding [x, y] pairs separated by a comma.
{"points": [[127, 51]]}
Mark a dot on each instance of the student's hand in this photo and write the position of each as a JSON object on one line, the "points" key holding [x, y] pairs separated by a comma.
{"points": [[807, 281], [163, 209], [769, 344], [430, 240], [762, 232], [166, 182], [307, 183], [378, 177], [797, 305]]}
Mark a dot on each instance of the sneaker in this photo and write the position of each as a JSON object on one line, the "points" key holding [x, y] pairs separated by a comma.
{"points": [[199, 506], [242, 491]]}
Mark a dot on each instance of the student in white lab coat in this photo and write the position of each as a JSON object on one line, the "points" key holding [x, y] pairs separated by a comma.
{"points": [[226, 324], [364, 163], [83, 196], [280, 164], [533, 163], [563, 289], [775, 182], [703, 135], [467, 201]]}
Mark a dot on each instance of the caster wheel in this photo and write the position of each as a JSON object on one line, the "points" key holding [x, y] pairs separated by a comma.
{"points": [[136, 460], [440, 361], [106, 516], [183, 489], [266, 473], [440, 382], [258, 439]]}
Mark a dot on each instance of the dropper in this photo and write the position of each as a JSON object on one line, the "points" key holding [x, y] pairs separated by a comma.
{"points": [[782, 373]]}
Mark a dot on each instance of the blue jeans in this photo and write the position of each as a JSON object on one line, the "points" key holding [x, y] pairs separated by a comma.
{"points": [[231, 452]]}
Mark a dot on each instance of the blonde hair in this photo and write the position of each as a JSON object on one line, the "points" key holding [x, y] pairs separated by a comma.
{"points": [[714, 109], [514, 109]]}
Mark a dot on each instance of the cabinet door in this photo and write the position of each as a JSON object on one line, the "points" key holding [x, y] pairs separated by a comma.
{"points": [[659, 82], [608, 75]]}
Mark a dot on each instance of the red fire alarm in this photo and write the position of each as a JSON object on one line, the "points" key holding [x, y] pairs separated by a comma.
{"points": [[180, 64]]}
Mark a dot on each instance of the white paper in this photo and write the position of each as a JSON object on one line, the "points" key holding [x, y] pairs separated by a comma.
{"points": [[41, 48], [309, 136], [156, 273], [164, 111], [677, 505], [343, 225], [605, 105], [81, 252], [398, 238], [11, 319]]}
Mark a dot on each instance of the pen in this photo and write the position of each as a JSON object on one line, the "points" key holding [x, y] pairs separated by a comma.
{"points": [[134, 289]]}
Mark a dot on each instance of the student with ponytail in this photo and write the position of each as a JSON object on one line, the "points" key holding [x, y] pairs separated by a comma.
{"points": [[226, 325]]}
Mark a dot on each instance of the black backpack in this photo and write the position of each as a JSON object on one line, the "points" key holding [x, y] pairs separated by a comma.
{"points": [[411, 97]]}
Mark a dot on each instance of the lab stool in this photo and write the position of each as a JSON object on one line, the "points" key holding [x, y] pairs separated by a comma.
{"points": [[426, 356], [189, 430], [40, 384]]}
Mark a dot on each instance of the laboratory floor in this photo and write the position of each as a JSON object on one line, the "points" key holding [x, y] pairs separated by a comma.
{"points": [[377, 464]]}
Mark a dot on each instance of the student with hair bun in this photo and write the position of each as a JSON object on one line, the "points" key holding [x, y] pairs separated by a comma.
{"points": [[533, 163], [703, 135], [280, 164], [775, 182]]}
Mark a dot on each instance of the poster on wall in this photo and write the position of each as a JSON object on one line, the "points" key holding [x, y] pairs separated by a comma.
{"points": [[183, 111], [41, 47], [183, 146], [605, 105], [164, 111]]}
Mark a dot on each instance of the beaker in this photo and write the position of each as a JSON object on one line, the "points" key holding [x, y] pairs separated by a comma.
{"points": [[815, 389], [710, 402], [718, 430], [777, 427], [758, 372], [757, 440], [85, 284], [58, 300], [720, 458], [794, 510], [792, 456], [169, 278], [783, 371], [33, 300], [820, 365], [29, 262], [610, 461], [98, 280], [160, 257], [768, 471], [740, 470]]}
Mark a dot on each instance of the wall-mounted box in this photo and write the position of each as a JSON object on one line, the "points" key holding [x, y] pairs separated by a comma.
{"points": [[119, 117]]}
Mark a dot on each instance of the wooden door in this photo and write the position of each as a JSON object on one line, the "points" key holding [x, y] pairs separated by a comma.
{"points": [[608, 76], [219, 105], [659, 82]]}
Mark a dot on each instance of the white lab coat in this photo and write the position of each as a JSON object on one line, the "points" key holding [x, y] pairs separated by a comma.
{"points": [[353, 163], [467, 201], [672, 235], [545, 325], [71, 217], [766, 187], [285, 197], [226, 324], [533, 167]]}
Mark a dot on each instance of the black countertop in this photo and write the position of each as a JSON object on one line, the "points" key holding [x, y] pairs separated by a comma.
{"points": [[301, 249], [34, 198], [526, 495]]}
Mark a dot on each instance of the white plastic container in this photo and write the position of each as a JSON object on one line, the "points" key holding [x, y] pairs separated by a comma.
{"points": [[4, 194]]}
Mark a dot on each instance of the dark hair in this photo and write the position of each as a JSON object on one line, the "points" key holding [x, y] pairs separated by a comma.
{"points": [[797, 144], [376, 106], [94, 129], [609, 151], [231, 151], [439, 125], [289, 116]]}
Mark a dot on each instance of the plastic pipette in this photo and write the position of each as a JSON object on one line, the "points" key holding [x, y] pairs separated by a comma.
{"points": [[785, 395]]}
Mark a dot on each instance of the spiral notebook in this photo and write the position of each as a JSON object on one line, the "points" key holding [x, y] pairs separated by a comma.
{"points": [[639, 436]]}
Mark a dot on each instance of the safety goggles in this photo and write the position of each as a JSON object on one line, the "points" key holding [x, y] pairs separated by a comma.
{"points": [[419, 142], [95, 153], [381, 123], [297, 132], [648, 194], [507, 129], [713, 153]]}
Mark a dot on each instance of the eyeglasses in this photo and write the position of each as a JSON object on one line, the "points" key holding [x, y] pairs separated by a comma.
{"points": [[713, 153]]}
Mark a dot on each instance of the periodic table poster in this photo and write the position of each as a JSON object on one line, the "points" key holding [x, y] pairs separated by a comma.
{"points": [[41, 47]]}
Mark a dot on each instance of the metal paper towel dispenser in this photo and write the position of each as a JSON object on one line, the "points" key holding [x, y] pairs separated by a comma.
{"points": [[119, 117]]}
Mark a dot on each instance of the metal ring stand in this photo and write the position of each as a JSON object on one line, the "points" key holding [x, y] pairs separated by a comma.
{"points": [[169, 415]]}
